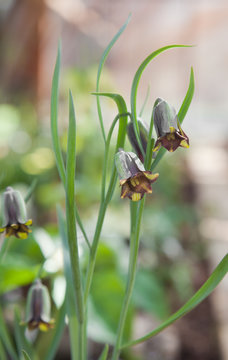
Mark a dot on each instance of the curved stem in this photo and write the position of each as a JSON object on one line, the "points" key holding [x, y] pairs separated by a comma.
{"points": [[107, 147], [136, 217]]}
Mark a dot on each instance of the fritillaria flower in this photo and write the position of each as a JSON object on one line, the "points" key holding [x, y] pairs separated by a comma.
{"points": [[38, 308], [143, 133], [134, 179], [15, 220], [168, 129]]}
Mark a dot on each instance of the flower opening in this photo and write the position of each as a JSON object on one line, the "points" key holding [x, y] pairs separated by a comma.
{"points": [[38, 308], [15, 222], [135, 181], [169, 132]]}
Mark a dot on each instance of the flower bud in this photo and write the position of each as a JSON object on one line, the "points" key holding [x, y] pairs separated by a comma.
{"points": [[143, 133], [15, 220], [38, 308], [134, 179], [168, 129]]}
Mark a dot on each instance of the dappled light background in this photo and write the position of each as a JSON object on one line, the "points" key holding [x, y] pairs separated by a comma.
{"points": [[184, 232]]}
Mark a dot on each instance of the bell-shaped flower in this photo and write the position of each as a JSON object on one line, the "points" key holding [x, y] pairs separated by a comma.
{"points": [[14, 215], [143, 134], [134, 179], [167, 126], [38, 308]]}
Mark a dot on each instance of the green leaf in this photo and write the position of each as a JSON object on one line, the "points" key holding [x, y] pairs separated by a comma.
{"points": [[145, 101], [6, 339], [54, 119], [104, 353], [55, 134], [31, 190], [188, 98], [25, 355], [101, 64], [205, 290], [181, 115], [122, 109], [135, 84], [70, 294], [16, 271], [70, 209]]}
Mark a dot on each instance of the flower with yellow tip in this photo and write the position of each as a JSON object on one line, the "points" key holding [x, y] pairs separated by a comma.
{"points": [[134, 179], [167, 126], [15, 222], [38, 308]]}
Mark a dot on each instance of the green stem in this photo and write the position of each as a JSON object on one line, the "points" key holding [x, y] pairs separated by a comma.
{"points": [[94, 247], [85, 350], [71, 223], [93, 251], [136, 217]]}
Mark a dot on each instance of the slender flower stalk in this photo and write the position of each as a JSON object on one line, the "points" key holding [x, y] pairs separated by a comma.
{"points": [[136, 217]]}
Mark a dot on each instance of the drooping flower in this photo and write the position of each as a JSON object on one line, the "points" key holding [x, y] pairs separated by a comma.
{"points": [[15, 222], [143, 133], [134, 179], [38, 308], [167, 126]]}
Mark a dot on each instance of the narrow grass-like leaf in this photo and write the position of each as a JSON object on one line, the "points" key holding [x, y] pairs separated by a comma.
{"points": [[55, 135], [30, 190], [145, 101], [188, 98], [150, 145], [5, 338], [122, 109], [25, 355], [181, 114], [57, 334], [104, 353], [70, 294], [135, 85], [54, 119], [101, 64], [79, 221], [70, 208], [205, 290]]}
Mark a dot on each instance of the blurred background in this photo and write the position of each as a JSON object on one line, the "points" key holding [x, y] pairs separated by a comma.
{"points": [[185, 225]]}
